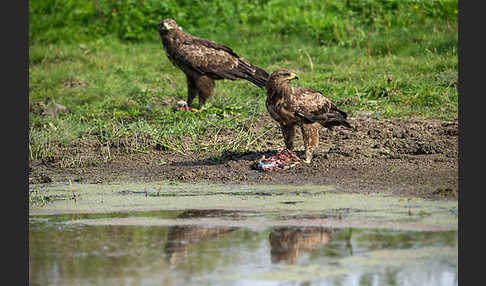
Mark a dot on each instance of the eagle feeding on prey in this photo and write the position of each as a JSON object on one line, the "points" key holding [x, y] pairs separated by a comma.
{"points": [[298, 106], [204, 61]]}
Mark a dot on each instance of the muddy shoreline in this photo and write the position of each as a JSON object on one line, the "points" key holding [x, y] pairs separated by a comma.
{"points": [[415, 158]]}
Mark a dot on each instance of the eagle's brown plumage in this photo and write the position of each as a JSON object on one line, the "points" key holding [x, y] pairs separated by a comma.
{"points": [[204, 61], [297, 106]]}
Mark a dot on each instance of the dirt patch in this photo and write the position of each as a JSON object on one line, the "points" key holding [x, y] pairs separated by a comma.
{"points": [[405, 157]]}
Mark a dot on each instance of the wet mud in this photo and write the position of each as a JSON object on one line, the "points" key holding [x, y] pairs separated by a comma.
{"points": [[402, 157]]}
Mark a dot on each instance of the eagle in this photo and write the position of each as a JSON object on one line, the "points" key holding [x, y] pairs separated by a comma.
{"points": [[204, 61], [299, 106]]}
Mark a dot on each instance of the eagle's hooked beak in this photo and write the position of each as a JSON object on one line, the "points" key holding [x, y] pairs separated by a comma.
{"points": [[293, 76], [167, 26]]}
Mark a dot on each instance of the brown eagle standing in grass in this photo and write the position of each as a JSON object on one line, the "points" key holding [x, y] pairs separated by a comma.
{"points": [[204, 61], [299, 106]]}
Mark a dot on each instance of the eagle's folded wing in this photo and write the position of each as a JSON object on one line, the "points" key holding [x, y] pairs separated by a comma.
{"points": [[209, 59]]}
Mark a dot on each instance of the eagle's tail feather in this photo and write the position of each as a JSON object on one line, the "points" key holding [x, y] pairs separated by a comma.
{"points": [[252, 73], [260, 78], [343, 114], [335, 109], [306, 119], [326, 120]]}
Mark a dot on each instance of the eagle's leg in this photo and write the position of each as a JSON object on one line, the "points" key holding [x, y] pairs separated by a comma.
{"points": [[310, 135], [192, 90], [288, 132], [205, 86]]}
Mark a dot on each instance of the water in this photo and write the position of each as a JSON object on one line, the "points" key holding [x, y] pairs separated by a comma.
{"points": [[184, 234], [201, 247]]}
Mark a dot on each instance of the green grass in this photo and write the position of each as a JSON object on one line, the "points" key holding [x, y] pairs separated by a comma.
{"points": [[127, 89]]}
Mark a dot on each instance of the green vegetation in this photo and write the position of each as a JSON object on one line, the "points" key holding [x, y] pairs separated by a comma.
{"points": [[103, 60], [38, 198]]}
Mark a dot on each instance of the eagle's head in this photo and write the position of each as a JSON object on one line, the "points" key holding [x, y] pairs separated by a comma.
{"points": [[282, 76], [167, 25]]}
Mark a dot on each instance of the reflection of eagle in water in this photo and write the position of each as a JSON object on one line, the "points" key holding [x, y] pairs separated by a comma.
{"points": [[287, 243], [298, 106], [204, 61], [182, 237]]}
